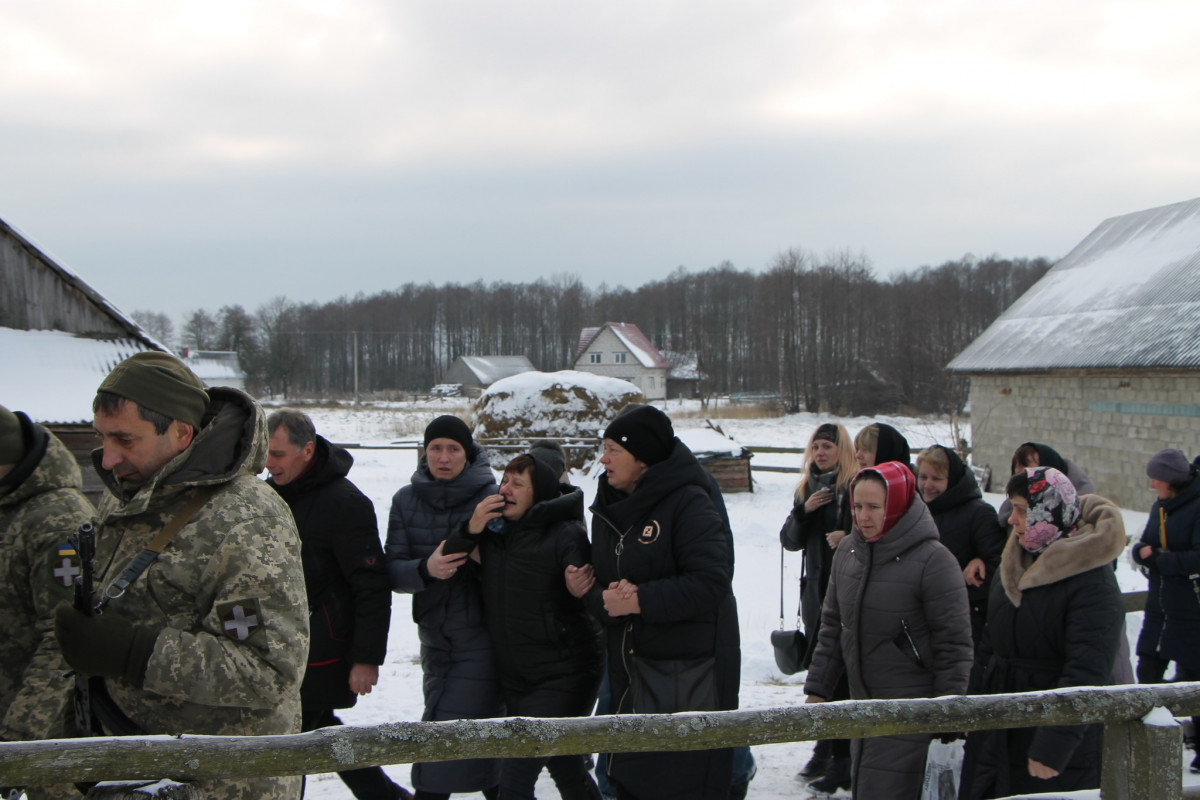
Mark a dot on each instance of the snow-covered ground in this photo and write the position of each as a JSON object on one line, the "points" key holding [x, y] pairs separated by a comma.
{"points": [[756, 519]]}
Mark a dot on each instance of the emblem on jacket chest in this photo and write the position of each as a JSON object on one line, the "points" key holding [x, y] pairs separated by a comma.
{"points": [[650, 533]]}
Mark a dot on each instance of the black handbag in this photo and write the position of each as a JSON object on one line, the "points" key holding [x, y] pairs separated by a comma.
{"points": [[789, 645]]}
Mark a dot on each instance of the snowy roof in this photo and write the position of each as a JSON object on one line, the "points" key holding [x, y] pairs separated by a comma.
{"points": [[57, 373], [707, 442], [215, 367], [489, 369], [685, 366], [1127, 296], [632, 337], [68, 277]]}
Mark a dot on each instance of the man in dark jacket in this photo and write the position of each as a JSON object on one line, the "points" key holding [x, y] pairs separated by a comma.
{"points": [[349, 595]]}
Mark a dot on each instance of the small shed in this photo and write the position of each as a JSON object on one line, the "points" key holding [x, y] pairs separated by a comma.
{"points": [[725, 459], [476, 373], [216, 367]]}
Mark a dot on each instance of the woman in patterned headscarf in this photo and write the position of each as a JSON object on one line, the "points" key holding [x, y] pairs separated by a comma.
{"points": [[1054, 620]]}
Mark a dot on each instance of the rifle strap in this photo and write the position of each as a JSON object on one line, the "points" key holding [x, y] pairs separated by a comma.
{"points": [[144, 559]]}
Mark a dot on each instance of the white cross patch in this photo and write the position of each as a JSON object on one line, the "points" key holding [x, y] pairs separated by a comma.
{"points": [[240, 619], [66, 572]]}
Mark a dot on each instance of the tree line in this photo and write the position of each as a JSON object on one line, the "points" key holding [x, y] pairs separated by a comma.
{"points": [[824, 333]]}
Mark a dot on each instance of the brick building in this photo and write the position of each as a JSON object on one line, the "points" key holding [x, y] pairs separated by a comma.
{"points": [[1100, 359]]}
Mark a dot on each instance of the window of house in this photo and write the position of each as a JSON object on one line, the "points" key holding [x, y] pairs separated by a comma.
{"points": [[651, 384], [631, 380], [619, 358], [594, 358]]}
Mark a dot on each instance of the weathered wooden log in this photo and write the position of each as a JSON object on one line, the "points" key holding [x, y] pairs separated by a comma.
{"points": [[142, 790], [347, 747]]}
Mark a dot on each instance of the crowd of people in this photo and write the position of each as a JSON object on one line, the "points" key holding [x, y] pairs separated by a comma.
{"points": [[226, 604]]}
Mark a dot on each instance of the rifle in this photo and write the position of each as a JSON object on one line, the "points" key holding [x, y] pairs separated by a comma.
{"points": [[85, 548]]}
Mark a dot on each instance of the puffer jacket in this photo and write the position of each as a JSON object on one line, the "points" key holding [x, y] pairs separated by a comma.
{"points": [[667, 539], [896, 622], [968, 526], [546, 642], [1054, 621], [41, 507], [1173, 529], [349, 595], [458, 661], [227, 592]]}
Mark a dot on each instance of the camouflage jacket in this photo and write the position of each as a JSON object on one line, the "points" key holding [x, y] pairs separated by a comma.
{"points": [[227, 591], [41, 507]]}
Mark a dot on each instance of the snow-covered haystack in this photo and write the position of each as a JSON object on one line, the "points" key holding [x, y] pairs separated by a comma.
{"points": [[566, 404]]}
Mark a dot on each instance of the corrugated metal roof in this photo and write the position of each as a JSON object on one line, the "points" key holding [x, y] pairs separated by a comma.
{"points": [[1127, 296], [490, 369], [53, 375]]}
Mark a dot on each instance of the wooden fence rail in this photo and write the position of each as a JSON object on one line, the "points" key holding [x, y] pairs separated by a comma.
{"points": [[335, 749]]}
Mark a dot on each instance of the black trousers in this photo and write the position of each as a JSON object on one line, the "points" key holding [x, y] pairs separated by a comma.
{"points": [[368, 783]]}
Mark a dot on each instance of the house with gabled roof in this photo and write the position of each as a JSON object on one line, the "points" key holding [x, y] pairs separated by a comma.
{"points": [[621, 350], [476, 373], [59, 338], [1100, 359]]}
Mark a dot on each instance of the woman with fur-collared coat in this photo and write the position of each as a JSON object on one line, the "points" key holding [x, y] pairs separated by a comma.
{"points": [[1054, 620], [895, 621]]}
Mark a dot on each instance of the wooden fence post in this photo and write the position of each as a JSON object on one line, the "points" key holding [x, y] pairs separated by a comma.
{"points": [[1143, 758]]}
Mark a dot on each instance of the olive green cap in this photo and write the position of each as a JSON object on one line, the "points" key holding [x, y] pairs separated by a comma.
{"points": [[159, 382], [12, 440]]}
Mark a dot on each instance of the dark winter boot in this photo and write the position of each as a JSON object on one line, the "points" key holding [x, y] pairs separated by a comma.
{"points": [[816, 765], [836, 777]]}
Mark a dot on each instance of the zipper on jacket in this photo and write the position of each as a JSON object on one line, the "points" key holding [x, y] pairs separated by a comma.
{"points": [[912, 645]]}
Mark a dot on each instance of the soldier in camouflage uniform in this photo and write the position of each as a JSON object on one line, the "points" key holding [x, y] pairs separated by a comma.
{"points": [[212, 637], [41, 507]]}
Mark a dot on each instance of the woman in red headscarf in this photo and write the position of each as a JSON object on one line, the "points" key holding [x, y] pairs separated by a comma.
{"points": [[895, 621]]}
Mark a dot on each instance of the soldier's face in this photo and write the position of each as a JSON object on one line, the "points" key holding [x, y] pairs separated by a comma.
{"points": [[133, 451], [285, 461]]}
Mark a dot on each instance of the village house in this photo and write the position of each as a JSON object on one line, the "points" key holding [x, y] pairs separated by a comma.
{"points": [[1100, 359], [621, 350]]}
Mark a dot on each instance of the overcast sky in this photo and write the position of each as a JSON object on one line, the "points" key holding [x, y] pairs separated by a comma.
{"points": [[180, 155]]}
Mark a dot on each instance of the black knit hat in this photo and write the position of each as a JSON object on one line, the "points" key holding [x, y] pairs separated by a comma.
{"points": [[549, 463], [159, 382], [827, 431], [449, 426], [644, 431]]}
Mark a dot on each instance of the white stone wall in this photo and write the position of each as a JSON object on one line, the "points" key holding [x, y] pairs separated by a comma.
{"points": [[1109, 423]]}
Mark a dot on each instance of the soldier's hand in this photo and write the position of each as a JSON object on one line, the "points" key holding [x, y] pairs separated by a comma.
{"points": [[108, 645]]}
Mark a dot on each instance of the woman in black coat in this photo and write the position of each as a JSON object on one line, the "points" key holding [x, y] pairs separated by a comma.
{"points": [[819, 521], [1054, 620], [966, 524], [457, 660], [1169, 551], [548, 648], [662, 590]]}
